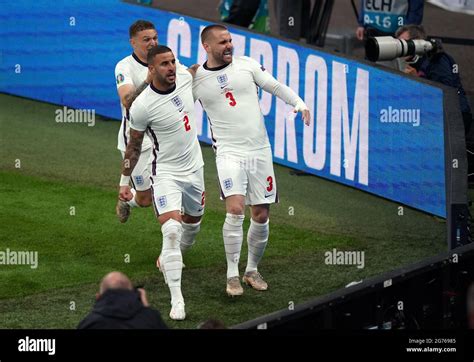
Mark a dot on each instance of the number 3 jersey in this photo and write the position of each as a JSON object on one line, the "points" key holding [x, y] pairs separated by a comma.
{"points": [[168, 117], [229, 95]]}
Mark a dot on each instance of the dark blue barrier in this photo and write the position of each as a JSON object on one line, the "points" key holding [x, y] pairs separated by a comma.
{"points": [[373, 129]]}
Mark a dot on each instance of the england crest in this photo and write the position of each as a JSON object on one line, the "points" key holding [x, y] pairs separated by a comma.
{"points": [[177, 101], [222, 79], [228, 184], [139, 180], [162, 201]]}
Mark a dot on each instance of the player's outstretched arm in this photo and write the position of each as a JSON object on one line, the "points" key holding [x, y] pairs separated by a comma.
{"points": [[266, 81], [130, 160], [287, 94], [304, 112]]}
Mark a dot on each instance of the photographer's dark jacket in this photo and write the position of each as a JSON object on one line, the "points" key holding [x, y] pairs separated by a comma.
{"points": [[121, 309], [442, 68]]}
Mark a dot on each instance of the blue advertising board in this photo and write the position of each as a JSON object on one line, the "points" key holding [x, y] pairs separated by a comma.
{"points": [[372, 129]]}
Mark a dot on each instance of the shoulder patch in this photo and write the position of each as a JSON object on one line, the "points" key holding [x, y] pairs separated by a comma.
{"points": [[120, 78]]}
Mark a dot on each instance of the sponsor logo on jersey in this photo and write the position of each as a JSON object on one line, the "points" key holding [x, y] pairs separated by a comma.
{"points": [[139, 180], [228, 184], [162, 201], [177, 101], [120, 78]]}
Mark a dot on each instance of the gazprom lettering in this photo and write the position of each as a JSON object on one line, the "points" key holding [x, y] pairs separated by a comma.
{"points": [[349, 144]]}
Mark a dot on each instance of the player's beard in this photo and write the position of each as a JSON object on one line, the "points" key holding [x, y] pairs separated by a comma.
{"points": [[166, 82], [224, 58]]}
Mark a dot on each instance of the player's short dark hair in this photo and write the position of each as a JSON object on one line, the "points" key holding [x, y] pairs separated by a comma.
{"points": [[159, 49], [414, 31], [206, 32], [138, 26]]}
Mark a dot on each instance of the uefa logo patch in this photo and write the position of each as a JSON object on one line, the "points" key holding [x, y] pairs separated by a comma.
{"points": [[228, 184], [222, 79], [139, 180], [177, 101], [162, 201], [120, 78]]}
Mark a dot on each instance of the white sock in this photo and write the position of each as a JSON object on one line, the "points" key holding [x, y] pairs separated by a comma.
{"points": [[233, 234], [257, 238], [189, 235], [133, 202], [171, 257]]}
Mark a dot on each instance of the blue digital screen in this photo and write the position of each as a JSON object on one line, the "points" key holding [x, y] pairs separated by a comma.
{"points": [[372, 129]]}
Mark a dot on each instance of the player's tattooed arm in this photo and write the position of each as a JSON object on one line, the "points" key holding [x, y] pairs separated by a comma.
{"points": [[193, 69], [132, 152], [131, 96]]}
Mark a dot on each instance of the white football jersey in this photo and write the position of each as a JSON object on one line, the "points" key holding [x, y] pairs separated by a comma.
{"points": [[168, 117], [130, 70], [229, 95]]}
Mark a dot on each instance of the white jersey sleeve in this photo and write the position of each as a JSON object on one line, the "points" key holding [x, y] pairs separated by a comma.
{"points": [[132, 72], [266, 81], [123, 74], [139, 119]]}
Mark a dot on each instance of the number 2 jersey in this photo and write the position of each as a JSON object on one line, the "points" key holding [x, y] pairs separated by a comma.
{"points": [[229, 95], [168, 118]]}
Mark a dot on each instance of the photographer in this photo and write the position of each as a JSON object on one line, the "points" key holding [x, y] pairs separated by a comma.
{"points": [[437, 66], [120, 306]]}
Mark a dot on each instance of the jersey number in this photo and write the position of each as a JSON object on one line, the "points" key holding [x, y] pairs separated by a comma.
{"points": [[270, 183], [187, 127], [230, 96]]}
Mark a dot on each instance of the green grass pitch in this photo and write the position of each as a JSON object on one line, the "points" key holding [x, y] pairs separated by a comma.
{"points": [[51, 170]]}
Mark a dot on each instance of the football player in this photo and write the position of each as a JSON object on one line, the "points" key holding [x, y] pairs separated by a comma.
{"points": [[227, 88], [165, 111]]}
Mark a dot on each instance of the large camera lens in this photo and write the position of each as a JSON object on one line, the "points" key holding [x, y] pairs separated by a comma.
{"points": [[383, 48], [372, 49], [388, 48]]}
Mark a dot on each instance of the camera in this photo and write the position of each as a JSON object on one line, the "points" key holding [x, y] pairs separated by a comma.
{"points": [[389, 48]]}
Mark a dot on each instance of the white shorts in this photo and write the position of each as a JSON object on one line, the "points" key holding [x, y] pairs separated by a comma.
{"points": [[141, 173], [179, 193], [251, 176]]}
